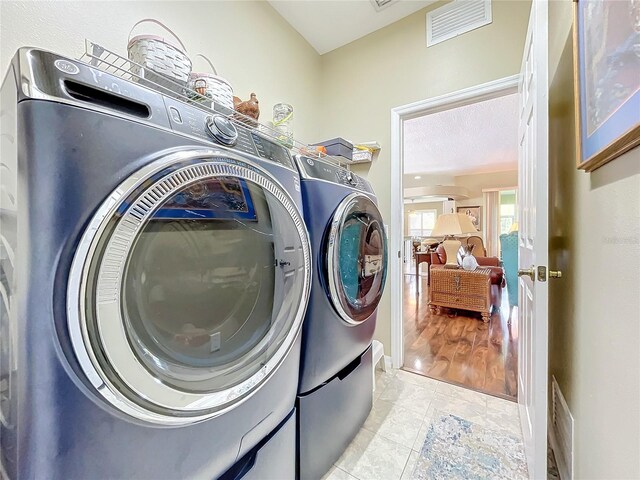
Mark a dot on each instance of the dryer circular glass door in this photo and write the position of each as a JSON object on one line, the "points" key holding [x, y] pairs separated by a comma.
{"points": [[188, 287], [356, 258]]}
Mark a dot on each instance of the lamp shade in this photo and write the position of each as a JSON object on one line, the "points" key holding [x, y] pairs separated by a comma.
{"points": [[452, 224]]}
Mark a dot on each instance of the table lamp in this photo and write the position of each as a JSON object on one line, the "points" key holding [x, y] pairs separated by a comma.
{"points": [[448, 225]]}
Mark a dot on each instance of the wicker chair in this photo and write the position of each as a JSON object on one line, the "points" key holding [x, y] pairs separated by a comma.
{"points": [[478, 246]]}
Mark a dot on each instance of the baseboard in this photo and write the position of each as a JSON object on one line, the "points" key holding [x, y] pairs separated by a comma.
{"points": [[378, 352], [378, 356], [387, 363]]}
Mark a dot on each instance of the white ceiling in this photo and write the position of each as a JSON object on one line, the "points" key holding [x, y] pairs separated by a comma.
{"points": [[329, 24], [477, 138]]}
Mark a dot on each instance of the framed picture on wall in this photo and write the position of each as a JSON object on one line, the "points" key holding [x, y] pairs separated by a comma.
{"points": [[606, 41], [474, 213]]}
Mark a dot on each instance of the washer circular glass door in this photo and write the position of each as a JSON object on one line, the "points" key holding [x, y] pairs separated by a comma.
{"points": [[188, 287], [356, 258]]}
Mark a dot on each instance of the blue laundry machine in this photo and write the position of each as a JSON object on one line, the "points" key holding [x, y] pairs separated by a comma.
{"points": [[155, 270], [349, 250]]}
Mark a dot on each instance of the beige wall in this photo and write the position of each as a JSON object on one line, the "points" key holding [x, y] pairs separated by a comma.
{"points": [[474, 184], [594, 310], [364, 80], [250, 44]]}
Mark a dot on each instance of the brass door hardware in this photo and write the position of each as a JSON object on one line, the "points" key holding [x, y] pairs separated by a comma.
{"points": [[528, 272], [540, 272]]}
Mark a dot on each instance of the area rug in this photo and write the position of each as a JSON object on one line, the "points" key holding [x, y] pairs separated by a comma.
{"points": [[457, 449]]}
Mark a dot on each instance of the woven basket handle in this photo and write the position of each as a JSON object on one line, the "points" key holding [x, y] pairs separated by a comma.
{"points": [[157, 22], [209, 62]]}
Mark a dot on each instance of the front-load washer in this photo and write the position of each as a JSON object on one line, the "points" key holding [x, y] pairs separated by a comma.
{"points": [[349, 250], [154, 282]]}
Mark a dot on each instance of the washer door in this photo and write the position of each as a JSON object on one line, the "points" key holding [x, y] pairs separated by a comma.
{"points": [[356, 258], [188, 287]]}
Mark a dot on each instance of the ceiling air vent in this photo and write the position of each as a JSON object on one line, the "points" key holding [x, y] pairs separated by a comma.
{"points": [[456, 18], [380, 4]]}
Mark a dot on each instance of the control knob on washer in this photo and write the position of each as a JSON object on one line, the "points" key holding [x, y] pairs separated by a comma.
{"points": [[222, 129], [350, 178]]}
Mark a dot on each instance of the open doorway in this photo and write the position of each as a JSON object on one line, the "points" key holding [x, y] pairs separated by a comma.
{"points": [[460, 177]]}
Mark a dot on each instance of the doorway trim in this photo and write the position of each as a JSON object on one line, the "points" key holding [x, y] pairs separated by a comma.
{"points": [[486, 91]]}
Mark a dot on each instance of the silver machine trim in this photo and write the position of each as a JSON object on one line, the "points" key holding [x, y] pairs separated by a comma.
{"points": [[175, 407], [336, 221]]}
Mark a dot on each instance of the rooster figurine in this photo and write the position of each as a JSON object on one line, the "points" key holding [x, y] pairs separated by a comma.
{"points": [[250, 108]]}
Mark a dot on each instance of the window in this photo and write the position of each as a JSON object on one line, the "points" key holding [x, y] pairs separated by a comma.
{"points": [[421, 222], [507, 210]]}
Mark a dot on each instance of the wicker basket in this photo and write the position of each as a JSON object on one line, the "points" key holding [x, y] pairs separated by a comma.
{"points": [[156, 62], [461, 289], [210, 86]]}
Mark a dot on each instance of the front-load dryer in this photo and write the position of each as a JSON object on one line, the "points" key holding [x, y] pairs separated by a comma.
{"points": [[154, 282], [349, 250]]}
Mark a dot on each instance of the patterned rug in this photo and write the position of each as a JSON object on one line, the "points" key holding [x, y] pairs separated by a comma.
{"points": [[457, 449]]}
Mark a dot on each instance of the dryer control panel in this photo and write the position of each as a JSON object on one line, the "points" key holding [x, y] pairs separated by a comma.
{"points": [[314, 168]]}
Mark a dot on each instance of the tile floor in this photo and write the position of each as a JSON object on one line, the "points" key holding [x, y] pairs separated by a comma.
{"points": [[405, 407]]}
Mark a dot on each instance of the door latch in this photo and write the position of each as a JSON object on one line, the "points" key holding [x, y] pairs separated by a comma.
{"points": [[542, 273]]}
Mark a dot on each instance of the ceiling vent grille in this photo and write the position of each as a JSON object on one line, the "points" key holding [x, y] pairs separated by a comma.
{"points": [[380, 4], [456, 18]]}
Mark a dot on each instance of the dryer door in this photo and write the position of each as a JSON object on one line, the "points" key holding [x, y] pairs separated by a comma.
{"points": [[188, 287], [356, 261]]}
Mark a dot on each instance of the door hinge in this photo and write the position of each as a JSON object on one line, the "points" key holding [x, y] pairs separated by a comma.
{"points": [[542, 273], [399, 254]]}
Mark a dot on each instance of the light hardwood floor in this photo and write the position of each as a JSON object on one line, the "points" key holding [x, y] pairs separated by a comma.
{"points": [[456, 346]]}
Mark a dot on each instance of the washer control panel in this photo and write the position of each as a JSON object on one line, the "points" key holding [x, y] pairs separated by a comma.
{"points": [[74, 81], [222, 130], [271, 150], [319, 169], [218, 128], [346, 177]]}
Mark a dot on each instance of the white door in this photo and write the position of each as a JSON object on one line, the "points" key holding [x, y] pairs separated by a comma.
{"points": [[533, 249]]}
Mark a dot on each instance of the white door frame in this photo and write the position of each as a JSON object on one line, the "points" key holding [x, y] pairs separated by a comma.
{"points": [[467, 96]]}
